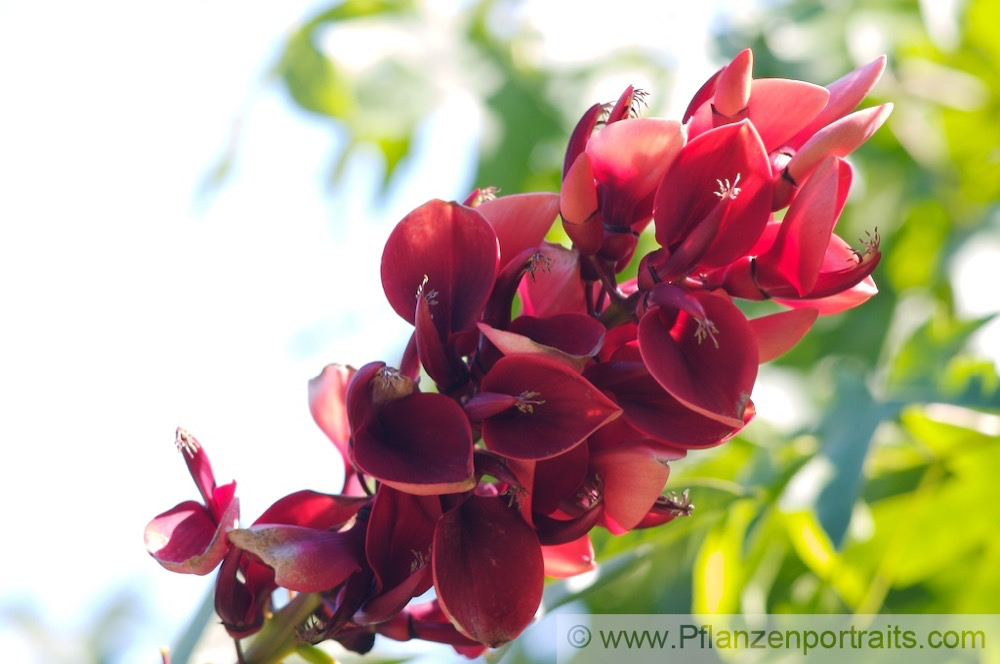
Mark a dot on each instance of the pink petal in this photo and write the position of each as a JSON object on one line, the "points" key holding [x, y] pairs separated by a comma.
{"points": [[732, 92], [571, 339], [778, 333], [557, 408], [450, 250], [845, 94], [555, 289], [187, 538], [488, 570], [838, 139], [520, 221], [569, 559], [838, 302], [710, 372], [328, 405], [780, 108], [303, 559], [629, 158]]}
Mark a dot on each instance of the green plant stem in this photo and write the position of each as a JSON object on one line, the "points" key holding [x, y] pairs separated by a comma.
{"points": [[276, 640]]}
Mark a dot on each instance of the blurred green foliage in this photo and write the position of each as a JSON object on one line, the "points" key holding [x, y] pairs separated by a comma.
{"points": [[886, 501]]}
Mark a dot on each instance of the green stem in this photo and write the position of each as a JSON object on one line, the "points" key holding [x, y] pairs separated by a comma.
{"points": [[276, 640]]}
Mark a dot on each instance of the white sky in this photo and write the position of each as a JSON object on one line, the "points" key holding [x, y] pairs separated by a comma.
{"points": [[126, 309]]}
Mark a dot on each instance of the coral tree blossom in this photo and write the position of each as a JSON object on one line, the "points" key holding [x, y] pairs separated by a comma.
{"points": [[485, 476]]}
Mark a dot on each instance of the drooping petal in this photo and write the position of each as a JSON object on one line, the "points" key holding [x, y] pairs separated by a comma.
{"points": [[710, 364], [242, 593], [728, 161], [565, 560], [398, 546], [303, 559], [452, 252], [188, 539], [520, 221], [420, 444], [633, 476], [846, 299], [778, 333], [488, 570], [556, 408], [442, 364]]}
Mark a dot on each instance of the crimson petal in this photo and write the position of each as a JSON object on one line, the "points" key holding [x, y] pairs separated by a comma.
{"points": [[651, 410], [452, 252], [692, 187], [710, 364], [520, 221], [556, 409], [632, 475], [420, 444], [488, 570], [778, 333]]}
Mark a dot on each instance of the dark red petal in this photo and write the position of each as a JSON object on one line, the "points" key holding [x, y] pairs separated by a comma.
{"points": [[360, 408], [520, 221], [569, 559], [652, 411], [399, 536], [421, 444], [443, 366], [488, 570], [557, 409], [187, 538], [557, 479], [710, 372], [690, 191], [632, 476], [573, 333], [453, 252], [242, 592], [311, 509], [303, 559]]}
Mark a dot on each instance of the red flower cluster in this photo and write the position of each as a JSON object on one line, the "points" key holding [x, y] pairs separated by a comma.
{"points": [[564, 418]]}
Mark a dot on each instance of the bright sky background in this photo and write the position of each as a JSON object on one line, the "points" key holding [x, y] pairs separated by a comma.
{"points": [[128, 307]]}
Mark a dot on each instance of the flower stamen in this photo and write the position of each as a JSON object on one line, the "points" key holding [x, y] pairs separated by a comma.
{"points": [[727, 190], [185, 442], [706, 329], [526, 402]]}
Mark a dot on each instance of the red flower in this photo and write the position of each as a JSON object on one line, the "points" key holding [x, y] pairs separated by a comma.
{"points": [[191, 537]]}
